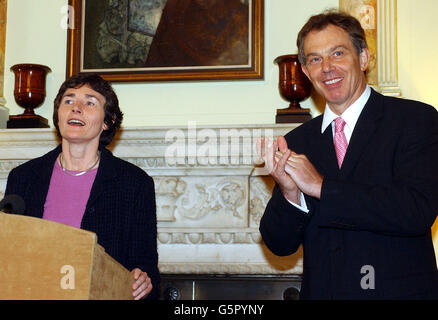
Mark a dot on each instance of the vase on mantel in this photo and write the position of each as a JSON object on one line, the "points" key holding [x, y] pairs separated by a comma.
{"points": [[294, 87], [29, 93]]}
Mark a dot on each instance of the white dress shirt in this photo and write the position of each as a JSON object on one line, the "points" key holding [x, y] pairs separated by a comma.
{"points": [[350, 116]]}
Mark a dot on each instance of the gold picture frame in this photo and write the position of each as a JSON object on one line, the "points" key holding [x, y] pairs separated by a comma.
{"points": [[185, 45]]}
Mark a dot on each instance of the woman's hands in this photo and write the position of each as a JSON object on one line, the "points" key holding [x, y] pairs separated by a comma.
{"points": [[142, 285]]}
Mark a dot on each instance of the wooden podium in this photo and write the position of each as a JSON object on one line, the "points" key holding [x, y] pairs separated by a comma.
{"points": [[46, 260]]}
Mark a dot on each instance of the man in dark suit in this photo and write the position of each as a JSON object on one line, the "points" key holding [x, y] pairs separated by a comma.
{"points": [[357, 187]]}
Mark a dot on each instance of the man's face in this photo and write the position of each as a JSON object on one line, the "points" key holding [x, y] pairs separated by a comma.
{"points": [[334, 67]]}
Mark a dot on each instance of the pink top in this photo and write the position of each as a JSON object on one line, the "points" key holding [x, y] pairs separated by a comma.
{"points": [[68, 196]]}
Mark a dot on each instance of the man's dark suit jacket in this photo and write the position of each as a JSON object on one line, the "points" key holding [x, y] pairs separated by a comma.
{"points": [[120, 210], [376, 211]]}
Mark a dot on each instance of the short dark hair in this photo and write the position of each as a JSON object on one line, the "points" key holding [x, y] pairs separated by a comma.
{"points": [[113, 115], [337, 18]]}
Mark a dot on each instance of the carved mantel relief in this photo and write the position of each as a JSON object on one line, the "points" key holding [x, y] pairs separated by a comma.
{"points": [[209, 202]]}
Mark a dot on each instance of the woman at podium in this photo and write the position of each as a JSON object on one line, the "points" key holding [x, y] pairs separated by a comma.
{"points": [[82, 184]]}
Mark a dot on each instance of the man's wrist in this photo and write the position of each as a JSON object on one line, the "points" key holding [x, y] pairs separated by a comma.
{"points": [[292, 195], [301, 203]]}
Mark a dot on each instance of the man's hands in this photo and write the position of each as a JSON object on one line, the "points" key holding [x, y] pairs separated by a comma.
{"points": [[293, 172], [276, 167]]}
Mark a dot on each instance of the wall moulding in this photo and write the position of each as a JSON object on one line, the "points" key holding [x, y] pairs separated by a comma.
{"points": [[4, 112], [3, 14]]}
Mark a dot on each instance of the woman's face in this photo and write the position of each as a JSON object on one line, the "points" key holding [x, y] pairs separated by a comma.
{"points": [[81, 115]]}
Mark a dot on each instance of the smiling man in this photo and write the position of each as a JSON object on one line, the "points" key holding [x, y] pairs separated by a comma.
{"points": [[357, 187]]}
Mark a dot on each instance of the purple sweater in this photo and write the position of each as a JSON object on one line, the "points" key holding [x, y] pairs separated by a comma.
{"points": [[68, 196]]}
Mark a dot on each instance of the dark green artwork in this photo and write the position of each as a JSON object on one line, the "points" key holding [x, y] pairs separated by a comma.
{"points": [[119, 32]]}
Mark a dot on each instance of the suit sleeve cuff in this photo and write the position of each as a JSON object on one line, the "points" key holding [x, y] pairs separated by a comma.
{"points": [[302, 206]]}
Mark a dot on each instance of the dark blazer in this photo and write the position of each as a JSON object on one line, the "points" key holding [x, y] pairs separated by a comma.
{"points": [[376, 211], [120, 210]]}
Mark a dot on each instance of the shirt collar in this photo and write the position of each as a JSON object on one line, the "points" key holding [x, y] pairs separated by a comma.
{"points": [[350, 115]]}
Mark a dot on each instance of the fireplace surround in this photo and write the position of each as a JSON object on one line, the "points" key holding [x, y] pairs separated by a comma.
{"points": [[211, 192]]}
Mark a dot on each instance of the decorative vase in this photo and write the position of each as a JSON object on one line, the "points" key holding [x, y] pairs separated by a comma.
{"points": [[29, 93], [294, 87]]}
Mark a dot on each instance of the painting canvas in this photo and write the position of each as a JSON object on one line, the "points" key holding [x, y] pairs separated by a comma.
{"points": [[151, 40]]}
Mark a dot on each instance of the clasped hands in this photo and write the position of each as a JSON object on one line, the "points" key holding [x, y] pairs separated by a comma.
{"points": [[293, 172]]}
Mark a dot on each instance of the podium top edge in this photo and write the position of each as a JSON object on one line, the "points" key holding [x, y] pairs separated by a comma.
{"points": [[38, 222]]}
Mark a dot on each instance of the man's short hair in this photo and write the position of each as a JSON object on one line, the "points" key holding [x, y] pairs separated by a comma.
{"points": [[336, 18]]}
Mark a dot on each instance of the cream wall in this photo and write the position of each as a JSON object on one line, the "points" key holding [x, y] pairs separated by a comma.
{"points": [[417, 53], [34, 35], [418, 49]]}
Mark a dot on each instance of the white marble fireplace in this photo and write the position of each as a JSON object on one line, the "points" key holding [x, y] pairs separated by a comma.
{"points": [[210, 194]]}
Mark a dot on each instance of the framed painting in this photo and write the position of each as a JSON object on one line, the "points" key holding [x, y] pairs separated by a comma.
{"points": [[166, 40]]}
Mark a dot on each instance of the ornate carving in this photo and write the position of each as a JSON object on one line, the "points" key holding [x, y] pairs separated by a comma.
{"points": [[233, 195], [198, 202], [8, 165], [204, 201], [248, 236], [160, 162], [167, 191], [260, 193], [228, 268]]}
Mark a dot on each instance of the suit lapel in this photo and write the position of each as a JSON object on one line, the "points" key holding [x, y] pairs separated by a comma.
{"points": [[105, 172], [322, 154], [43, 174], [328, 156], [363, 132]]}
